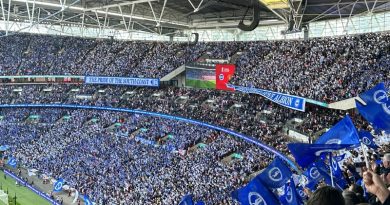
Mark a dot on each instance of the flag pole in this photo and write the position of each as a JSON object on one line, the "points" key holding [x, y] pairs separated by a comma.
{"points": [[331, 171], [364, 149]]}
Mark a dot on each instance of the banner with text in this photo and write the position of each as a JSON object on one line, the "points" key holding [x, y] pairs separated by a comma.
{"points": [[150, 82], [224, 72], [289, 101]]}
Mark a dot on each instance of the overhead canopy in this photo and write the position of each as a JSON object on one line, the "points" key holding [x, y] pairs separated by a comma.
{"points": [[168, 16]]}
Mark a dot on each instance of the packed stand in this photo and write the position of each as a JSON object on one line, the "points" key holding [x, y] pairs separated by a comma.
{"points": [[328, 69], [117, 169]]}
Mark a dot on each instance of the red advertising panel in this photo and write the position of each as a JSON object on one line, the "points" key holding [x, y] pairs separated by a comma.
{"points": [[224, 72]]}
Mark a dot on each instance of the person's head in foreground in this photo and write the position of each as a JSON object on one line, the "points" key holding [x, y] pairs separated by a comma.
{"points": [[326, 196]]}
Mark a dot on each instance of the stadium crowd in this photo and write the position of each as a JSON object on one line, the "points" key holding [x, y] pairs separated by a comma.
{"points": [[236, 111], [113, 167], [329, 69]]}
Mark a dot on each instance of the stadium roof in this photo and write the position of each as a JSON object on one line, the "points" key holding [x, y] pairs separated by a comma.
{"points": [[168, 16]]}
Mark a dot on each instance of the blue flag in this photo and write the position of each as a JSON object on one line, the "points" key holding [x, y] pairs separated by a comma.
{"points": [[367, 139], [200, 203], [324, 170], [290, 194], [312, 176], [12, 162], [336, 170], [377, 110], [305, 154], [344, 132], [340, 157], [58, 185], [255, 193], [87, 201], [187, 200], [276, 174], [300, 195]]}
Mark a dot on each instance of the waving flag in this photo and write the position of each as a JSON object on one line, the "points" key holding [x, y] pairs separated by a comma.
{"points": [[12, 162], [324, 169], [255, 193], [290, 194], [58, 185], [377, 110], [336, 170], [312, 176], [340, 157], [367, 139], [305, 154], [186, 200], [276, 174], [344, 132], [300, 194], [87, 201]]}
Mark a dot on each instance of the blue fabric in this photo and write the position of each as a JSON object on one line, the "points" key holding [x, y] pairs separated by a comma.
{"points": [[58, 185], [289, 101], [305, 154], [335, 168], [313, 176], [87, 201], [255, 193], [186, 200], [275, 175], [301, 196], [377, 110], [367, 139], [290, 194], [324, 170], [12, 162], [344, 132], [340, 157]]}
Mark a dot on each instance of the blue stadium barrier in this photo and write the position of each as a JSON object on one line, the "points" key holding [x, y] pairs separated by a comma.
{"points": [[171, 117]]}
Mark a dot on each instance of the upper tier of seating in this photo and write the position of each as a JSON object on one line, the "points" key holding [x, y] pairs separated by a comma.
{"points": [[327, 69]]}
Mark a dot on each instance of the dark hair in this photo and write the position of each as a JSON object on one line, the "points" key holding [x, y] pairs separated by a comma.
{"points": [[350, 198], [357, 189], [326, 196]]}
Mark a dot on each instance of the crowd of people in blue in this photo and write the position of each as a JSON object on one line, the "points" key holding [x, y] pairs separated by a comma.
{"points": [[146, 160], [328, 69], [113, 167]]}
